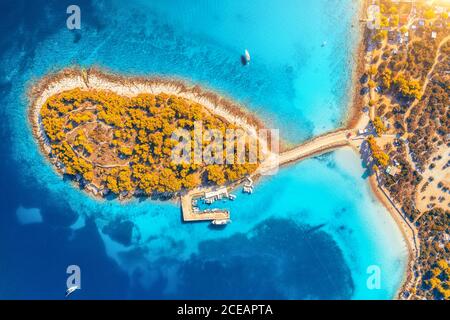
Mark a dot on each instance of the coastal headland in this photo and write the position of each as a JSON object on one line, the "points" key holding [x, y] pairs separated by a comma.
{"points": [[111, 133], [85, 113], [95, 80]]}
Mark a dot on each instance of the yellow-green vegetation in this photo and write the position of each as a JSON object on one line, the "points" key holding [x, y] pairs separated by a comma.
{"points": [[380, 36], [381, 157], [379, 126], [384, 21], [372, 70], [409, 88], [125, 144], [386, 78], [440, 279], [429, 14], [372, 102], [393, 22], [413, 72], [393, 10]]}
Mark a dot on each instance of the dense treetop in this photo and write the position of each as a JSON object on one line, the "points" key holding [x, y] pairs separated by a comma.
{"points": [[125, 144]]}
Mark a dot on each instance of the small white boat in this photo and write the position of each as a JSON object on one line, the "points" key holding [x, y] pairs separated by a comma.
{"points": [[231, 197], [70, 290], [220, 222], [247, 189], [247, 56], [324, 44]]}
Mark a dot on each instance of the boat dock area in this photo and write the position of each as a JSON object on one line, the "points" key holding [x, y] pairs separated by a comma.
{"points": [[248, 186], [211, 196], [190, 210], [319, 145]]}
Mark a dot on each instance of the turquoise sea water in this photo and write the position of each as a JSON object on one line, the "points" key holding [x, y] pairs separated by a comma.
{"points": [[309, 232]]}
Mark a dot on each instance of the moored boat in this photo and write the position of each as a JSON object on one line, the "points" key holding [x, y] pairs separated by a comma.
{"points": [[70, 290], [220, 222], [247, 56]]}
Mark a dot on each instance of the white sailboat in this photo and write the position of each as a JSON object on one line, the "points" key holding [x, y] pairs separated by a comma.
{"points": [[70, 290], [247, 56]]}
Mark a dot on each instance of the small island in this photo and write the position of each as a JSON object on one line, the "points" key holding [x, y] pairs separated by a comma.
{"points": [[121, 145]]}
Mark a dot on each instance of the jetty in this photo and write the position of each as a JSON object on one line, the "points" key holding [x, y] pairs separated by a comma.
{"points": [[314, 147], [192, 213]]}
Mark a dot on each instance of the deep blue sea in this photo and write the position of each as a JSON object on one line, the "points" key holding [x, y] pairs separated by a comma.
{"points": [[309, 232]]}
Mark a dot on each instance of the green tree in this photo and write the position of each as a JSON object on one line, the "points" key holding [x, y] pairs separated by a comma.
{"points": [[379, 126], [429, 14]]}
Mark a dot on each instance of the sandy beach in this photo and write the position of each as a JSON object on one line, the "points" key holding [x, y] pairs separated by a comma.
{"points": [[357, 119], [354, 111], [408, 231]]}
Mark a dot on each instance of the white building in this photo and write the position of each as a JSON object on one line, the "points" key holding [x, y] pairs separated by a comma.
{"points": [[216, 195], [362, 131]]}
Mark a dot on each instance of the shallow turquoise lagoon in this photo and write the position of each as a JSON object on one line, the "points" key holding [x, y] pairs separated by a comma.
{"points": [[309, 232]]}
